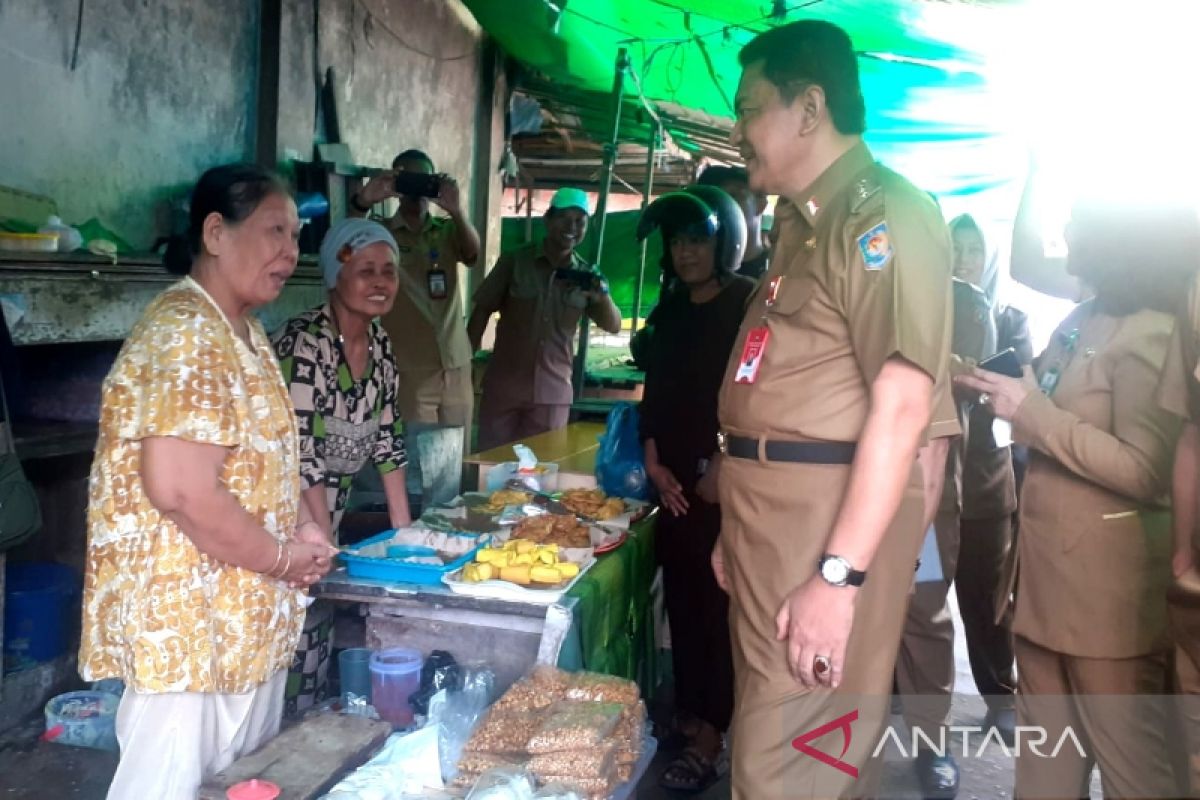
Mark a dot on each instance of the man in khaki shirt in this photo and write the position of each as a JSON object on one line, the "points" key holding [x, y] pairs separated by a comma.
{"points": [[426, 324], [527, 386], [826, 402]]}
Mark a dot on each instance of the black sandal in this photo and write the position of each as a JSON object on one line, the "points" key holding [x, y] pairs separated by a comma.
{"points": [[691, 772]]}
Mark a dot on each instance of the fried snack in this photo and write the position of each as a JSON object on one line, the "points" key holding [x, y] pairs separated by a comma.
{"points": [[544, 687], [502, 499], [590, 762], [504, 731], [571, 725], [559, 529], [603, 689], [593, 503], [476, 763]]}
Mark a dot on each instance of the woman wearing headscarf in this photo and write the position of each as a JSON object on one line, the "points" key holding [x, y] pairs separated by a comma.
{"points": [[198, 544], [337, 360], [697, 320], [1094, 550], [989, 500]]}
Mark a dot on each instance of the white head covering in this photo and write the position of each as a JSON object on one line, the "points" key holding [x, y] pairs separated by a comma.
{"points": [[345, 239], [991, 261]]}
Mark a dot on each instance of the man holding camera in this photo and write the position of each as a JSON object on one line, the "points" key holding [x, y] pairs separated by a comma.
{"points": [[541, 292], [426, 324]]}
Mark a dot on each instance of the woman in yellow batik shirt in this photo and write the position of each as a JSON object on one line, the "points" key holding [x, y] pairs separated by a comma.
{"points": [[198, 546]]}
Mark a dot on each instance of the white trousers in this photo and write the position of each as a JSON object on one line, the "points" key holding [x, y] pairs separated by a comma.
{"points": [[171, 743]]}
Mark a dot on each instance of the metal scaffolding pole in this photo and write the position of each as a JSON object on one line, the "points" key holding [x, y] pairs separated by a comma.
{"points": [[649, 188], [606, 173]]}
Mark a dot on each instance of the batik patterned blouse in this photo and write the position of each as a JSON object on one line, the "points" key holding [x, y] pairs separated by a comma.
{"points": [[343, 423], [157, 612]]}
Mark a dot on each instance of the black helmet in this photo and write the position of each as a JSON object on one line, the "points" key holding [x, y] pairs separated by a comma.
{"points": [[702, 210]]}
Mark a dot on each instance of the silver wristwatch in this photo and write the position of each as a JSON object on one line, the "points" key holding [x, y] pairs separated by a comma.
{"points": [[836, 571]]}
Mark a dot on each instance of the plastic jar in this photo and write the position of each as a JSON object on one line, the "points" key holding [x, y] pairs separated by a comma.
{"points": [[395, 675]]}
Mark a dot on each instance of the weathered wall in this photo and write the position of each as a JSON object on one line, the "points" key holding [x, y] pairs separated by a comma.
{"points": [[162, 90], [407, 74]]}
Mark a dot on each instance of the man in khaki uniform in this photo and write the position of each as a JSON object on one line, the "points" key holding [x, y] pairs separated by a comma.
{"points": [[541, 291], [427, 325], [925, 664], [825, 403], [1179, 393]]}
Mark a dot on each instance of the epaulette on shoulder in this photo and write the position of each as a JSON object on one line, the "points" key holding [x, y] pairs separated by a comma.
{"points": [[863, 190]]}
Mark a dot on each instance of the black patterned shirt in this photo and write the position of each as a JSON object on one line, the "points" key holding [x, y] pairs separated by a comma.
{"points": [[343, 423]]}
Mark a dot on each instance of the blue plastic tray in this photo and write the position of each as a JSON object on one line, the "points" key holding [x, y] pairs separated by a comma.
{"points": [[382, 569]]}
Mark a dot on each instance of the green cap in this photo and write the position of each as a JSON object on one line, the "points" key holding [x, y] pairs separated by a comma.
{"points": [[569, 197]]}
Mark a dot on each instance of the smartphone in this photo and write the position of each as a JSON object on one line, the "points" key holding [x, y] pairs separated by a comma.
{"points": [[418, 184], [580, 278], [1003, 363]]}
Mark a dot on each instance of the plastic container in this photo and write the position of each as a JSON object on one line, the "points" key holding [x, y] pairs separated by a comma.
{"points": [[383, 569], [29, 242], [69, 239], [253, 789], [395, 675], [543, 479], [38, 610], [83, 719], [354, 670]]}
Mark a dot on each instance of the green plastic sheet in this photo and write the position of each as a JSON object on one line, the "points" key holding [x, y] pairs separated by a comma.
{"points": [[614, 616]]}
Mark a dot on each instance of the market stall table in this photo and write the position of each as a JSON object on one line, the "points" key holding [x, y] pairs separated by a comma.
{"points": [[604, 624], [573, 448]]}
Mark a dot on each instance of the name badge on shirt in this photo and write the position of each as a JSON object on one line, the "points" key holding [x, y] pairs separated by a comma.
{"points": [[438, 288], [752, 354]]}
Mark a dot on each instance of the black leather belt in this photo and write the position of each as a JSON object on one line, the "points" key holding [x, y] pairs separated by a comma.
{"points": [[793, 452]]}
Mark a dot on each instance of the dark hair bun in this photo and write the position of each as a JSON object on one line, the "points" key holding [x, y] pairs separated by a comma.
{"points": [[177, 259], [231, 190]]}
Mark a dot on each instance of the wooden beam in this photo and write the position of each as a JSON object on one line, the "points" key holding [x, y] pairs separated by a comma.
{"points": [[266, 104]]}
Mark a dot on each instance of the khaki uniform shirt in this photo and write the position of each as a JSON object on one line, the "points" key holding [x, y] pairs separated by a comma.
{"points": [[535, 337], [427, 334], [1095, 543], [863, 274], [973, 340], [1179, 385]]}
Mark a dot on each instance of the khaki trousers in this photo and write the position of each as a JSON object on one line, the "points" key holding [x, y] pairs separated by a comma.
{"points": [[1183, 608], [775, 521], [502, 423], [925, 663], [171, 743], [1116, 709], [438, 397]]}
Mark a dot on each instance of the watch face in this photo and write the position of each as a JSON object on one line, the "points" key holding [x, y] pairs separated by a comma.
{"points": [[835, 570]]}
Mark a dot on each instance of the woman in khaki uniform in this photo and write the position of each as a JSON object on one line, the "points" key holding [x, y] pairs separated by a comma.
{"points": [[1095, 543], [1179, 393]]}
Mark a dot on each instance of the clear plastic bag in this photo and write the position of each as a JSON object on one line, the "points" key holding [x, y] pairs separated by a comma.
{"points": [[575, 725], [603, 689], [556, 791], [503, 784], [591, 762], [504, 731], [597, 788], [457, 712]]}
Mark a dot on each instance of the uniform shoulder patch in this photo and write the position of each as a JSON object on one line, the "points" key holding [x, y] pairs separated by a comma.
{"points": [[876, 247]]}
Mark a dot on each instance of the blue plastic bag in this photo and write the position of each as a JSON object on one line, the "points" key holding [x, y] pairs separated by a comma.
{"points": [[620, 466]]}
